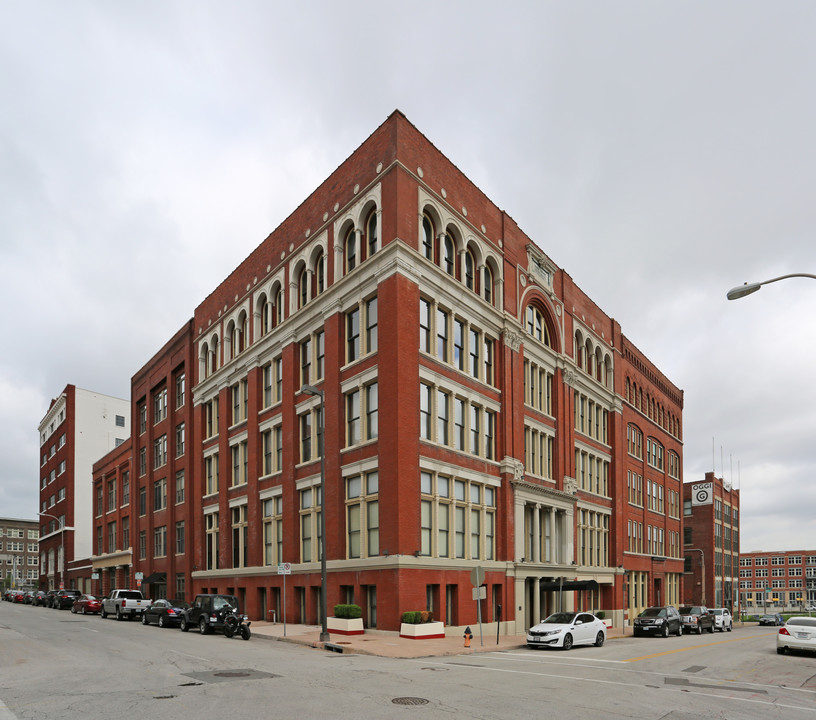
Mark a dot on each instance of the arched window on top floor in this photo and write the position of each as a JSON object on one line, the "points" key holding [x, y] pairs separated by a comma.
{"points": [[448, 259], [212, 363], [628, 389], [303, 287], [264, 311], [470, 271], [350, 247], [277, 307], [241, 336], [488, 284], [428, 238], [319, 276], [204, 361], [371, 233]]}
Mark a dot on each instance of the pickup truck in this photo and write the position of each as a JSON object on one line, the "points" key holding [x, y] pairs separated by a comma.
{"points": [[124, 604]]}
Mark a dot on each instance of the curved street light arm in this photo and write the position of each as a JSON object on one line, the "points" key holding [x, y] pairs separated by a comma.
{"points": [[748, 288]]}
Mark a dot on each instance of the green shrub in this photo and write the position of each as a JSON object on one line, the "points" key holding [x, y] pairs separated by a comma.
{"points": [[600, 614], [349, 612], [417, 617]]}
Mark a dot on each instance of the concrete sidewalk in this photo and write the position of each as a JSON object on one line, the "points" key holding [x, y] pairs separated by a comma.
{"points": [[386, 643]]}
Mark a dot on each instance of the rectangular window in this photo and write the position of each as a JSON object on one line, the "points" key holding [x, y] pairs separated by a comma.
{"points": [[310, 509], [160, 541], [180, 538], [353, 335], [179, 487], [442, 335], [240, 541], [180, 440], [424, 325], [142, 501], [211, 417], [306, 362], [371, 325], [142, 544], [142, 461], [142, 419], [425, 416], [273, 530], [320, 355], [125, 532], [212, 536], [239, 454], [353, 423], [159, 405], [458, 344], [160, 452], [211, 474], [362, 515], [160, 494], [180, 390], [442, 416], [240, 401]]}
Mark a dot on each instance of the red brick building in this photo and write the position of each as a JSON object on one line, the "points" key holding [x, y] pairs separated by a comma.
{"points": [[479, 411], [79, 427], [776, 582], [141, 495], [711, 543]]}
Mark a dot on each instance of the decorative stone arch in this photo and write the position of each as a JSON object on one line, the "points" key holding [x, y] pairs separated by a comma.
{"points": [[236, 325], [209, 354], [370, 204], [533, 297], [608, 371], [342, 227]]}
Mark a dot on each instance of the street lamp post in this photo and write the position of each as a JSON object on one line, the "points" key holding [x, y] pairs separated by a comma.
{"points": [[311, 390], [702, 571], [62, 544], [748, 288]]}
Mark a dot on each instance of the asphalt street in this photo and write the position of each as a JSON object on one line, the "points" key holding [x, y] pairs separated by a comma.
{"points": [[57, 665]]}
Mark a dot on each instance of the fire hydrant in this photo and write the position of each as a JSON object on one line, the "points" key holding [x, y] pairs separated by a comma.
{"points": [[468, 636]]}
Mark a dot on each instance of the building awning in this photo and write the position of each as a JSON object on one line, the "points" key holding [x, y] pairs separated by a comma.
{"points": [[568, 585], [156, 577]]}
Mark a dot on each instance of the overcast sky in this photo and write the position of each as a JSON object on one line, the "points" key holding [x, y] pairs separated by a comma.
{"points": [[659, 152]]}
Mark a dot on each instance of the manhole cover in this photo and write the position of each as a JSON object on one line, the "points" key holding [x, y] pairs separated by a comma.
{"points": [[231, 674], [409, 701]]}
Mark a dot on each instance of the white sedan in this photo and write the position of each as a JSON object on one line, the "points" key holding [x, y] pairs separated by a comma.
{"points": [[799, 633], [722, 619], [565, 629]]}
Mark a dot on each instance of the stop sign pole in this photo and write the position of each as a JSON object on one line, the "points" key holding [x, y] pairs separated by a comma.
{"points": [[477, 576]]}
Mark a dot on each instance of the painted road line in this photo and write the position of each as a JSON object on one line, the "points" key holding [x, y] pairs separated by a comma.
{"points": [[691, 647]]}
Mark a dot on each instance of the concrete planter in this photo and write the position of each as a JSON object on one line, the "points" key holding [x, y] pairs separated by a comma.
{"points": [[345, 626], [423, 631]]}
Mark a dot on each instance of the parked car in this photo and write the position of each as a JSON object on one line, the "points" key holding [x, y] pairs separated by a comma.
{"points": [[723, 621], [799, 633], [28, 597], [50, 596], [165, 613], [39, 598], [565, 629], [207, 612], [85, 604], [65, 598], [19, 597], [775, 619], [124, 604], [661, 621], [697, 618], [810, 608]]}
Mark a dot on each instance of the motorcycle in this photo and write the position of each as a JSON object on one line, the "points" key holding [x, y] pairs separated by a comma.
{"points": [[235, 623]]}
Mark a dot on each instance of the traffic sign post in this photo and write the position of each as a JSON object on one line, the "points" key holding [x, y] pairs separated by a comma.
{"points": [[477, 576], [284, 569]]}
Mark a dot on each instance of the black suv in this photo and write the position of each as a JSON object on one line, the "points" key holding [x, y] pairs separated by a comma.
{"points": [[208, 612], [65, 598], [661, 621], [697, 618]]}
